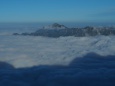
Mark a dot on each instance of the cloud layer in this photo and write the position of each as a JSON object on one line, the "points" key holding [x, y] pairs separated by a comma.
{"points": [[64, 61]]}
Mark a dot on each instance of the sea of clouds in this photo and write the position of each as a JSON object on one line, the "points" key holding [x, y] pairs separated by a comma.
{"points": [[63, 61]]}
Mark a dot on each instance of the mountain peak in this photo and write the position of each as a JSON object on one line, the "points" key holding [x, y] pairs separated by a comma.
{"points": [[55, 26]]}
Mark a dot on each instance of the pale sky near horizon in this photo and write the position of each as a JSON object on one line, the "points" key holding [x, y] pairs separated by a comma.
{"points": [[57, 11]]}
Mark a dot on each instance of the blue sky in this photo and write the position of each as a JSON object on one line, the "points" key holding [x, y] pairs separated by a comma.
{"points": [[57, 11]]}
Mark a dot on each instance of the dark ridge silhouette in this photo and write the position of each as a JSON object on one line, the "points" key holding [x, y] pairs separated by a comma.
{"points": [[90, 70], [4, 65]]}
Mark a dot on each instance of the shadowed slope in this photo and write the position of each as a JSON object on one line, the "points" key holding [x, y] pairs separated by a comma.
{"points": [[90, 70]]}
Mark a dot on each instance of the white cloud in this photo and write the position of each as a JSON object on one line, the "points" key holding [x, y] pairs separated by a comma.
{"points": [[64, 61]]}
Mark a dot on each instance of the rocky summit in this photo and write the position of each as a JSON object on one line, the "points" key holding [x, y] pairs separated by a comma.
{"points": [[55, 26]]}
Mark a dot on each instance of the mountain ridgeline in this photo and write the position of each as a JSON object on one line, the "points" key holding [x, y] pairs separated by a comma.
{"points": [[57, 30]]}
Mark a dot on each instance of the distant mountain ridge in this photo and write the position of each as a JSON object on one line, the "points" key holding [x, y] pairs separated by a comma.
{"points": [[57, 30]]}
